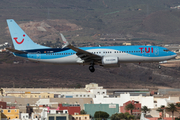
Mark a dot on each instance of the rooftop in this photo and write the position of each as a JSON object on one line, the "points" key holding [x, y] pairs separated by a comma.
{"points": [[41, 90]]}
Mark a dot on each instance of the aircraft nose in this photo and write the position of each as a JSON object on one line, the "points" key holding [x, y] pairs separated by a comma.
{"points": [[173, 55]]}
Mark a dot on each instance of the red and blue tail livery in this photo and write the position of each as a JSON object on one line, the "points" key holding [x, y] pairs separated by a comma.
{"points": [[105, 56]]}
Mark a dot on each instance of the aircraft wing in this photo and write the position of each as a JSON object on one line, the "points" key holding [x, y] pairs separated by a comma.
{"points": [[16, 51], [84, 55]]}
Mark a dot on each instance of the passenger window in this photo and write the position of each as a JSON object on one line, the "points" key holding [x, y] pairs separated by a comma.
{"points": [[166, 50]]}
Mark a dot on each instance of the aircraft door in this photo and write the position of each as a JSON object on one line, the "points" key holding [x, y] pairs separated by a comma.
{"points": [[103, 53], [156, 51], [38, 55]]}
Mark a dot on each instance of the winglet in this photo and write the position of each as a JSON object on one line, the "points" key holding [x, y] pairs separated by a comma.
{"points": [[66, 43]]}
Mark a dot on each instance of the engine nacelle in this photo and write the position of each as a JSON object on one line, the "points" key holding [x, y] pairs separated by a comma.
{"points": [[110, 62]]}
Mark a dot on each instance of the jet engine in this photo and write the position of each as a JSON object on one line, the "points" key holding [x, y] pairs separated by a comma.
{"points": [[110, 62]]}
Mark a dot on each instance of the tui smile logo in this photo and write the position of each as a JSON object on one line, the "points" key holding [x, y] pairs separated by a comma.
{"points": [[15, 38]]}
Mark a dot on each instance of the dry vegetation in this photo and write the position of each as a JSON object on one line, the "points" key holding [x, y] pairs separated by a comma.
{"points": [[31, 74], [141, 22]]}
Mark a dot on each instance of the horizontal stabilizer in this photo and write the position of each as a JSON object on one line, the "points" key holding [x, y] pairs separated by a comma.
{"points": [[16, 51]]}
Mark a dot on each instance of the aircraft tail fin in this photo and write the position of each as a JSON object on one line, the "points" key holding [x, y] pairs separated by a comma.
{"points": [[21, 40]]}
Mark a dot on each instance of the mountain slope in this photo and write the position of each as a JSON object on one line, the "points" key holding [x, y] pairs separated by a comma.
{"points": [[29, 74]]}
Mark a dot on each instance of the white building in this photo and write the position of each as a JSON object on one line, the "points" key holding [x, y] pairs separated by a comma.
{"points": [[90, 86], [91, 90], [99, 92], [24, 116], [100, 99], [45, 112], [145, 101], [74, 95], [165, 101], [45, 102]]}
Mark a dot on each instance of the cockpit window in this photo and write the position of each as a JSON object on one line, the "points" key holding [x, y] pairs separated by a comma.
{"points": [[166, 50]]}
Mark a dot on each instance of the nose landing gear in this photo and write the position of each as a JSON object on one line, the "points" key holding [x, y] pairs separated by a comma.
{"points": [[159, 66]]}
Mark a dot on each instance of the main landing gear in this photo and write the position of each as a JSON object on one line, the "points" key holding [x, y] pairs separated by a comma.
{"points": [[91, 68]]}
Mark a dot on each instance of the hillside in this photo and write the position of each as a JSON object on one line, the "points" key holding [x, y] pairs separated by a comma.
{"points": [[85, 22], [145, 20], [32, 74], [46, 30]]}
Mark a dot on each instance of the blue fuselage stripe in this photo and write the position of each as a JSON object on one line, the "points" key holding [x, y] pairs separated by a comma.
{"points": [[53, 53]]}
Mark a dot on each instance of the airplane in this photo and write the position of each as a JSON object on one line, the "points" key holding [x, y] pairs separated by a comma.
{"points": [[105, 56]]}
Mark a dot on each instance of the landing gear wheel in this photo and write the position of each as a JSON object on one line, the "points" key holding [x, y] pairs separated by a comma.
{"points": [[91, 68], [159, 66]]}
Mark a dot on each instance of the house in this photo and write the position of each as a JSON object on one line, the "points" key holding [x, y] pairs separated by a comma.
{"points": [[109, 108], [3, 105], [52, 114], [58, 117], [24, 116], [165, 101], [73, 109], [126, 43], [136, 111], [10, 113]]}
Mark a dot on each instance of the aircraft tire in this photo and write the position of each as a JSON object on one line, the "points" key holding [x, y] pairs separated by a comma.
{"points": [[91, 68], [159, 66]]}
